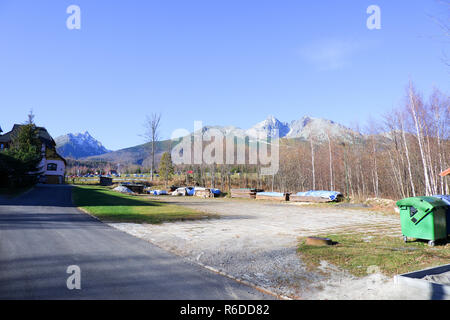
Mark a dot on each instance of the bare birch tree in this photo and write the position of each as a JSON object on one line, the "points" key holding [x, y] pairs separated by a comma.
{"points": [[331, 161], [405, 142], [414, 105], [312, 163], [151, 134]]}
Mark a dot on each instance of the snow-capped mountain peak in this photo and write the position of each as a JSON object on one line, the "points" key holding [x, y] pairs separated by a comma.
{"points": [[303, 128], [270, 127], [317, 128], [79, 145]]}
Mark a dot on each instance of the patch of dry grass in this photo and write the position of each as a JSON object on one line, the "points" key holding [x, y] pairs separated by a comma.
{"points": [[356, 252]]}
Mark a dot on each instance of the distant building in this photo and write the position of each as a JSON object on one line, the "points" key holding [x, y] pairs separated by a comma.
{"points": [[53, 165]]}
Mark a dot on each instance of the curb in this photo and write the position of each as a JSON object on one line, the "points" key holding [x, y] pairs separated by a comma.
{"points": [[414, 281], [86, 212], [245, 282]]}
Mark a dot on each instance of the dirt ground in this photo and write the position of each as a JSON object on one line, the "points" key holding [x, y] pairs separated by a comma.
{"points": [[256, 241]]}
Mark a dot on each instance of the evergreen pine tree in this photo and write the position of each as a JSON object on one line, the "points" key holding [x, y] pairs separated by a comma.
{"points": [[24, 156], [166, 167]]}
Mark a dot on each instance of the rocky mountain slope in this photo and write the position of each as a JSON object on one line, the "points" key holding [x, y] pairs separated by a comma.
{"points": [[79, 145]]}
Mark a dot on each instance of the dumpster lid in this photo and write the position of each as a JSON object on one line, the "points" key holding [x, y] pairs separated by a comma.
{"points": [[443, 197], [422, 203]]}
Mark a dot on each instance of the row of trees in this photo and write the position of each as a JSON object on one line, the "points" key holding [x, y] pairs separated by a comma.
{"points": [[400, 156], [420, 144], [82, 167]]}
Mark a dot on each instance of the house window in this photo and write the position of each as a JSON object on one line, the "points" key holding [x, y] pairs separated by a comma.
{"points": [[52, 167]]}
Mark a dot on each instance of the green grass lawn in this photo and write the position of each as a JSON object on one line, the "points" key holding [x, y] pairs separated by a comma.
{"points": [[357, 252], [112, 206]]}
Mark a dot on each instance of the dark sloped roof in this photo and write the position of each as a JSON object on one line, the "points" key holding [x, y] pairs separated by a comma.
{"points": [[51, 154], [44, 136]]}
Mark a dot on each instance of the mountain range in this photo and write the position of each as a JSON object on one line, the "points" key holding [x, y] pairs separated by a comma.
{"points": [[84, 146], [79, 145], [304, 128]]}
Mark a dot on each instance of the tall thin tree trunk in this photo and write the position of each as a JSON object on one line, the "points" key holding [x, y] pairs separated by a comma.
{"points": [[413, 189], [153, 160], [331, 163], [312, 165], [375, 169], [413, 106]]}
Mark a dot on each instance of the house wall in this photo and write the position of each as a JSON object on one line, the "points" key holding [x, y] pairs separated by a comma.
{"points": [[60, 168], [53, 176]]}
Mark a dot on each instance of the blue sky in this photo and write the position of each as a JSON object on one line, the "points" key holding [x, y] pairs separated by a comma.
{"points": [[225, 62]]}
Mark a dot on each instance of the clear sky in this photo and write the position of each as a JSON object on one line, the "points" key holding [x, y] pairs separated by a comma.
{"points": [[225, 62]]}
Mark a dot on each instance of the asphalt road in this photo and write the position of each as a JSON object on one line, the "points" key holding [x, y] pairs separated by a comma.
{"points": [[42, 234]]}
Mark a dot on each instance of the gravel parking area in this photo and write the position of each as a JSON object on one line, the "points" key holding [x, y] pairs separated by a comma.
{"points": [[256, 241]]}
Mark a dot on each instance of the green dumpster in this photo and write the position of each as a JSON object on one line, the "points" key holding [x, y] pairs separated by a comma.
{"points": [[423, 218]]}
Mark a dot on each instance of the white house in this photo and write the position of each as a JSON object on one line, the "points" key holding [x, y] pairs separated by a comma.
{"points": [[52, 164]]}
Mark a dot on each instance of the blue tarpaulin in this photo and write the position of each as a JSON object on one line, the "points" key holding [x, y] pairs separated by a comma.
{"points": [[270, 194], [157, 192], [215, 191], [332, 195]]}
